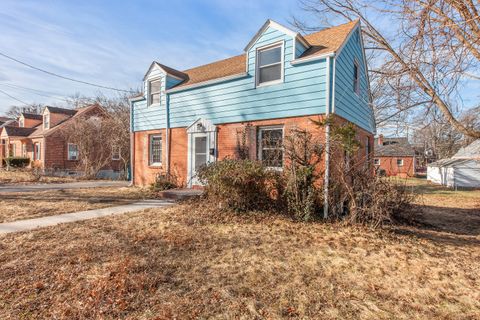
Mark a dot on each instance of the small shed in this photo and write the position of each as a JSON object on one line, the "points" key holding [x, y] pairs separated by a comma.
{"points": [[462, 170]]}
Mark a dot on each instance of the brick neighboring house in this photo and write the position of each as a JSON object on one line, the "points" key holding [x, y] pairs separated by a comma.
{"points": [[283, 79], [395, 157], [4, 121], [40, 138]]}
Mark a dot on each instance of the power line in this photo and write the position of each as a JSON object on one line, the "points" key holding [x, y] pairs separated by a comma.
{"points": [[62, 77], [8, 95], [37, 92]]}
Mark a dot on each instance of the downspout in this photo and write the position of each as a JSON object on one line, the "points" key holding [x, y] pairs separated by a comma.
{"points": [[132, 147], [167, 134], [327, 144]]}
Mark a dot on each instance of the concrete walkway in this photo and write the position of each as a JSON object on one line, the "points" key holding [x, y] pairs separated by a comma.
{"points": [[62, 186], [30, 224]]}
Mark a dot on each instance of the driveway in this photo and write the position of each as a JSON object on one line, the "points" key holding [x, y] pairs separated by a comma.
{"points": [[62, 186]]}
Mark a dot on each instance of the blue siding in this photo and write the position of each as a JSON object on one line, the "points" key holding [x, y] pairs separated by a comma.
{"points": [[299, 49], [150, 117], [171, 82], [348, 104], [302, 93]]}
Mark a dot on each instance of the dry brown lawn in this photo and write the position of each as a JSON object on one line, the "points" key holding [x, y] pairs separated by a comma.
{"points": [[26, 205], [191, 261], [26, 176]]}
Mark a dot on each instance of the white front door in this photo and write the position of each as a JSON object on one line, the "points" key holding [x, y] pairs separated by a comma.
{"points": [[199, 154]]}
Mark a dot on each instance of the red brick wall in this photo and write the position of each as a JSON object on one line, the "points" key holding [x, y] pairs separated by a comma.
{"points": [[389, 164], [228, 136]]}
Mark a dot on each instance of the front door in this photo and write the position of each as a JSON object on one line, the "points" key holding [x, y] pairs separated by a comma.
{"points": [[199, 154]]}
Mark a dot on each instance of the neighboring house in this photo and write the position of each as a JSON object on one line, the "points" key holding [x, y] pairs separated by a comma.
{"points": [[394, 157], [40, 138], [185, 119], [461, 170], [4, 121]]}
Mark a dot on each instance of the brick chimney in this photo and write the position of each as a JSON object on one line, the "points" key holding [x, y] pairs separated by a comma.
{"points": [[380, 140]]}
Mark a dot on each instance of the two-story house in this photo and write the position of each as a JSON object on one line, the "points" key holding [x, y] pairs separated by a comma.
{"points": [[185, 119]]}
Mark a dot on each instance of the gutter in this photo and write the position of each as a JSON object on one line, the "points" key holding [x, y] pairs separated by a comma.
{"points": [[208, 82], [312, 58]]}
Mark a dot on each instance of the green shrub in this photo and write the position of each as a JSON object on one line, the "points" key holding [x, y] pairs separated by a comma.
{"points": [[241, 185], [17, 162]]}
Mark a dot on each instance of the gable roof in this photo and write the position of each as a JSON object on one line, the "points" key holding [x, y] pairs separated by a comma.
{"points": [[472, 151], [18, 131], [4, 119], [40, 131], [278, 26], [69, 112], [394, 147], [170, 71], [322, 42]]}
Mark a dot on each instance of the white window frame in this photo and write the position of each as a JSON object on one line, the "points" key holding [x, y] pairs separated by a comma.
{"points": [[401, 162], [260, 148], [376, 161], [68, 152], [356, 81], [150, 93], [46, 124], [37, 153], [21, 122], [150, 149], [24, 150], [280, 44]]}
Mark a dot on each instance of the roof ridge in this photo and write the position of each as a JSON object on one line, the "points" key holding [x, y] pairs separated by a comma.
{"points": [[216, 61]]}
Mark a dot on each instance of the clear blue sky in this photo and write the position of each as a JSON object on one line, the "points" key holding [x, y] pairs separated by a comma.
{"points": [[113, 42]]}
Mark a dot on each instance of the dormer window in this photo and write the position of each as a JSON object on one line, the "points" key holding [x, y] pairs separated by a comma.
{"points": [[21, 122], [46, 121], [154, 92], [269, 65]]}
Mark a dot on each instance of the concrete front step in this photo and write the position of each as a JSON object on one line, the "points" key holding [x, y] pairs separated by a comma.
{"points": [[180, 194]]}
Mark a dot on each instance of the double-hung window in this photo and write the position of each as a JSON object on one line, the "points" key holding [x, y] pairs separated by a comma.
{"points": [[269, 65], [46, 121], [356, 77], [155, 150], [400, 162], [270, 146], [72, 151], [37, 151], [154, 87], [376, 162]]}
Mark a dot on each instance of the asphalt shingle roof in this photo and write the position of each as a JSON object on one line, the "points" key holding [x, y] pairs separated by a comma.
{"points": [[394, 147]]}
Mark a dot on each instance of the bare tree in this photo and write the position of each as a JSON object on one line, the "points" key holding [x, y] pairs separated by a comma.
{"points": [[15, 111], [435, 46]]}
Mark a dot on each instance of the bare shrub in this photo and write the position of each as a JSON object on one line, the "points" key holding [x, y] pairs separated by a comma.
{"points": [[164, 181], [241, 185], [302, 174], [356, 194]]}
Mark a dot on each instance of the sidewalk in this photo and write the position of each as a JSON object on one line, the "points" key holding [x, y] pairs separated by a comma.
{"points": [[30, 224], [61, 186]]}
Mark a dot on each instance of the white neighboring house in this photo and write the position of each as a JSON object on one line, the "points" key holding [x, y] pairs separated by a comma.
{"points": [[461, 170]]}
